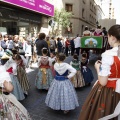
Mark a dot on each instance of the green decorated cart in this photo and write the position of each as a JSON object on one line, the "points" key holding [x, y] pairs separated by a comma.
{"points": [[97, 43]]}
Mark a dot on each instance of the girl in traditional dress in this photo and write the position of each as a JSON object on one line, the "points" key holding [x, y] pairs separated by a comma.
{"points": [[21, 73], [44, 76], [62, 95], [10, 108], [77, 79], [86, 71], [11, 68], [105, 94]]}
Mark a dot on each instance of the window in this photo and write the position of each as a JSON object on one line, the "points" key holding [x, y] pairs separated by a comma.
{"points": [[69, 7], [83, 12], [90, 18], [82, 29]]}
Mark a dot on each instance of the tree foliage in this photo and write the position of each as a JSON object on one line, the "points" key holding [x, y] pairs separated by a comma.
{"points": [[62, 18]]}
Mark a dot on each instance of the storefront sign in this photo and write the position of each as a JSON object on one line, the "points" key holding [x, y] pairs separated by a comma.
{"points": [[35, 5], [91, 42]]}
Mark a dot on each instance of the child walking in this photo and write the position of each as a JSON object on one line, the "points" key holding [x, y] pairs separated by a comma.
{"points": [[77, 79], [21, 73], [105, 95], [44, 75], [11, 68], [86, 71], [62, 95]]}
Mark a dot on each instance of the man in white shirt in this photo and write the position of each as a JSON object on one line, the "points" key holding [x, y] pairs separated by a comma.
{"points": [[77, 43]]}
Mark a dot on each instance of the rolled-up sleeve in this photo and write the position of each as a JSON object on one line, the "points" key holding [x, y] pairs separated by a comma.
{"points": [[105, 67]]}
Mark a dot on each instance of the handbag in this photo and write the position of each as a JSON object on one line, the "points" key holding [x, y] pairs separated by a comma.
{"points": [[21, 52]]}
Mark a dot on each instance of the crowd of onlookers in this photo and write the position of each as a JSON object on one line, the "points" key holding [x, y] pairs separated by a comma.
{"points": [[31, 47]]}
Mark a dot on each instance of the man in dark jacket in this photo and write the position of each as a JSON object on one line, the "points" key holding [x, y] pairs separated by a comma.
{"points": [[41, 43]]}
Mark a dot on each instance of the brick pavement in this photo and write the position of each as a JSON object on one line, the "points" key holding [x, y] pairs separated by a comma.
{"points": [[35, 102]]}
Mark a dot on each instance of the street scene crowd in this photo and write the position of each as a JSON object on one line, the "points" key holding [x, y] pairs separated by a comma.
{"points": [[17, 54]]}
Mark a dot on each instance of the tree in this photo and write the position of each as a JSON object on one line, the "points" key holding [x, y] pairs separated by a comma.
{"points": [[62, 18]]}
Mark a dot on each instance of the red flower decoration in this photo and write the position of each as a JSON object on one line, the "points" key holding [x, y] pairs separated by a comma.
{"points": [[103, 105]]}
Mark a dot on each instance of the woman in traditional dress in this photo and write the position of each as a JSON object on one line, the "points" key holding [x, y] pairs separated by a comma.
{"points": [[21, 73], [62, 95], [86, 71], [10, 108], [77, 79], [44, 76], [105, 94], [11, 68]]}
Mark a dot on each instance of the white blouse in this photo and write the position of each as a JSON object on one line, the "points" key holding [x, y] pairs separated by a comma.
{"points": [[107, 61], [11, 63], [4, 76], [61, 68]]}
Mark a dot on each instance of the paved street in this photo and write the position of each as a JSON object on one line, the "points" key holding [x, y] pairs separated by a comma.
{"points": [[35, 102]]}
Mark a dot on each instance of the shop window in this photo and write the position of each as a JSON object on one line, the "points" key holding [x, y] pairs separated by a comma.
{"points": [[69, 7], [83, 12]]}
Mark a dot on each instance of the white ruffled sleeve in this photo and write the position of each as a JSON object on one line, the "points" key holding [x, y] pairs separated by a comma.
{"points": [[50, 61], [24, 60], [4, 76], [107, 61], [71, 70]]}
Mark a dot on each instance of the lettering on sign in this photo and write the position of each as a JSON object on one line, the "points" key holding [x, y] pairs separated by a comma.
{"points": [[14, 17], [46, 7], [30, 2]]}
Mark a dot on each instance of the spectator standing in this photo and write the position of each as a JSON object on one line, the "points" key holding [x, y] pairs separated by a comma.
{"points": [[4, 42], [72, 46], [28, 51], [104, 31], [59, 45], [52, 44], [41, 43], [77, 42], [67, 43], [10, 42]]}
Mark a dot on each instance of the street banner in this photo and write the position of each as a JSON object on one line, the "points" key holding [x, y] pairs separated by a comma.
{"points": [[92, 42]]}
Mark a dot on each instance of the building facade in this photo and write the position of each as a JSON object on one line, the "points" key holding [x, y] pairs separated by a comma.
{"points": [[24, 17], [84, 13]]}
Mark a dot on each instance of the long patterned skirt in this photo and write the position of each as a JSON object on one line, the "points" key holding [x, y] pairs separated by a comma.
{"points": [[78, 80], [22, 78], [62, 96], [9, 109], [17, 91], [100, 102], [44, 78]]}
